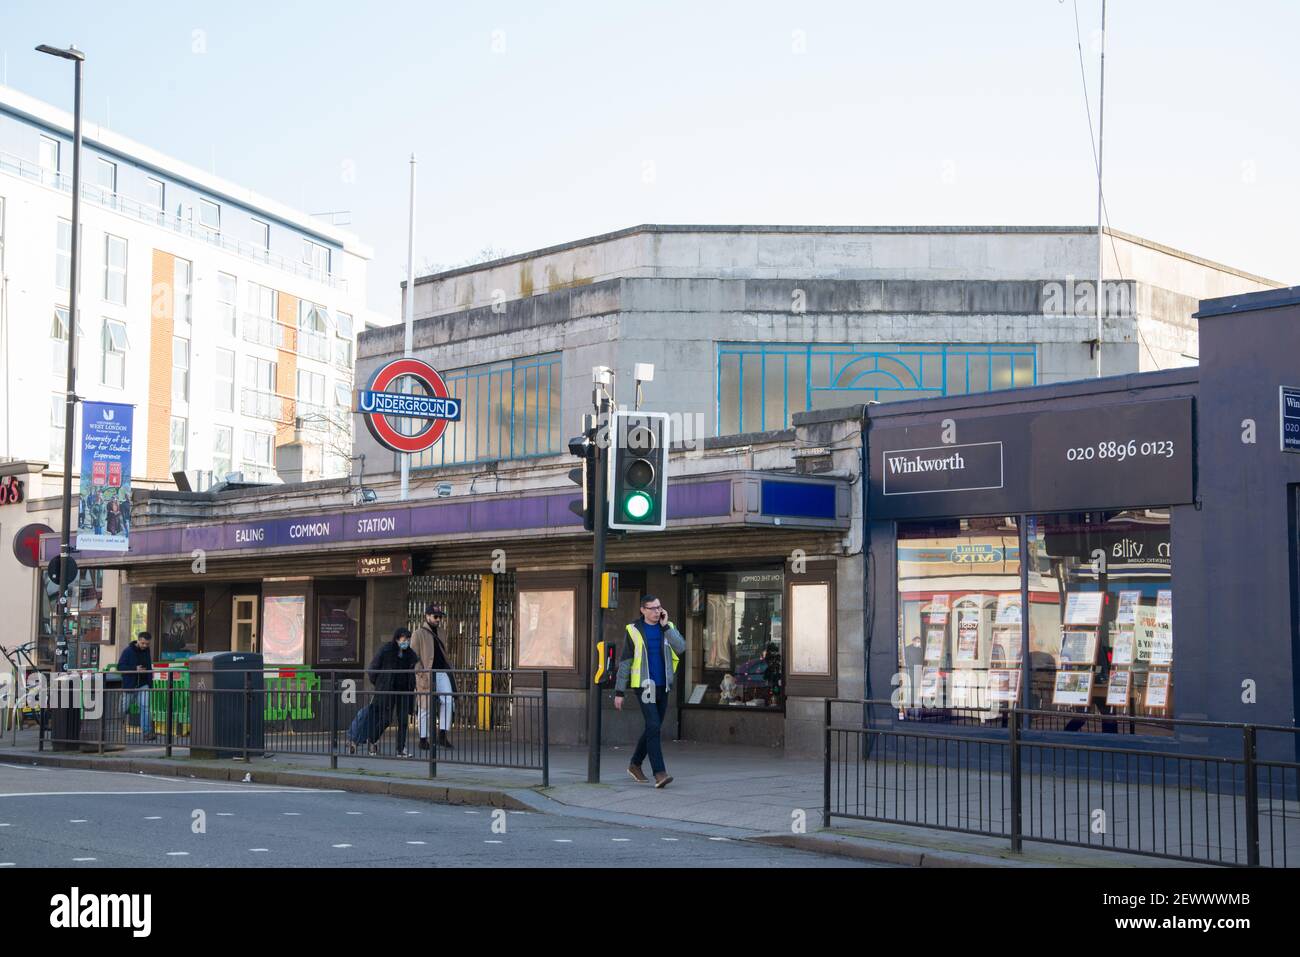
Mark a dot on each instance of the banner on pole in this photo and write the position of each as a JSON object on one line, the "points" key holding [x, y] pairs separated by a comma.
{"points": [[104, 506]]}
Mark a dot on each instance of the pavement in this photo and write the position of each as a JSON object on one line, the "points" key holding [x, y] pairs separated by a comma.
{"points": [[63, 817], [732, 792]]}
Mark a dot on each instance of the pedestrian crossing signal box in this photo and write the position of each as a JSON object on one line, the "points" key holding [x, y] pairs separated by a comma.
{"points": [[609, 590], [606, 664]]}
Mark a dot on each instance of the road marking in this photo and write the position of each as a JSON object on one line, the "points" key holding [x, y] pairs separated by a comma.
{"points": [[293, 814], [471, 812], [352, 812], [225, 814], [7, 864], [178, 853], [620, 840], [719, 839], [668, 839], [340, 845], [258, 850], [6, 825], [78, 820], [417, 812], [415, 842], [26, 794], [154, 817], [77, 860], [491, 842], [563, 840]]}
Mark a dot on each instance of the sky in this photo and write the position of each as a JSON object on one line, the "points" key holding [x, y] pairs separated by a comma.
{"points": [[540, 123]]}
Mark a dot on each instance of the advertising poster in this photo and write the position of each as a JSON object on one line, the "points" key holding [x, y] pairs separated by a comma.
{"points": [[1158, 689], [1117, 689], [939, 610], [1072, 688], [546, 629], [1004, 686], [284, 623], [934, 645], [968, 633], [179, 626], [1128, 605], [337, 627], [1083, 608], [104, 500], [1122, 650], [1078, 648]]}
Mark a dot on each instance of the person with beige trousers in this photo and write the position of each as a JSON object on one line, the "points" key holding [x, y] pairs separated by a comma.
{"points": [[432, 675]]}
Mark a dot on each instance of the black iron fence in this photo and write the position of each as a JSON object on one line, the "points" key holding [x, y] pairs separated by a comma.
{"points": [[1231, 797], [271, 711]]}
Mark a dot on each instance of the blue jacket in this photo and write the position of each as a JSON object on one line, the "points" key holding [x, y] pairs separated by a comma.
{"points": [[133, 656]]}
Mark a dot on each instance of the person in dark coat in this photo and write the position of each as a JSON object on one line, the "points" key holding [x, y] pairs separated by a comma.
{"points": [[392, 672], [136, 667]]}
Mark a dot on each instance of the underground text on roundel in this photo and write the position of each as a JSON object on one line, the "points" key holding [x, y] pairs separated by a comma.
{"points": [[942, 468]]}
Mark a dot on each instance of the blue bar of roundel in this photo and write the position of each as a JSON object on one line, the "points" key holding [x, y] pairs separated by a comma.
{"points": [[798, 499]]}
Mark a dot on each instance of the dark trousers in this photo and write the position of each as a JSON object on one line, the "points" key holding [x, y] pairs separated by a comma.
{"points": [[397, 709], [649, 742]]}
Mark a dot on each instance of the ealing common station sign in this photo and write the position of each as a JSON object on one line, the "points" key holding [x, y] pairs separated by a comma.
{"points": [[380, 404]]}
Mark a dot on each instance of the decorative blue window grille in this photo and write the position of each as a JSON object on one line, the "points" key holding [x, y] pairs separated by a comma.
{"points": [[509, 410], [762, 384]]}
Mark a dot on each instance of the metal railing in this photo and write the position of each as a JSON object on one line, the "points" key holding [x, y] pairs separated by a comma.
{"points": [[146, 213], [300, 711], [1232, 797], [266, 405]]}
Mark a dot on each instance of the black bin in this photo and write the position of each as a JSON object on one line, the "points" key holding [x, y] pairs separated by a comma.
{"points": [[227, 698], [64, 706]]}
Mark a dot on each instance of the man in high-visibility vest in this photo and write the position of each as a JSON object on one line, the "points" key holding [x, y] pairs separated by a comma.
{"points": [[647, 665]]}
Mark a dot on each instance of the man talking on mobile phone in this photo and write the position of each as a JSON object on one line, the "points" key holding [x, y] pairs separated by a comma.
{"points": [[647, 665]]}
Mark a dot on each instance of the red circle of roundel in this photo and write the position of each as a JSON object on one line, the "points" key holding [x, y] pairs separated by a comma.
{"points": [[379, 425], [27, 544]]}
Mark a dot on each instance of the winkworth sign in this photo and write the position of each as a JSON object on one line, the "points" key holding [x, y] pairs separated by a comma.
{"points": [[380, 404]]}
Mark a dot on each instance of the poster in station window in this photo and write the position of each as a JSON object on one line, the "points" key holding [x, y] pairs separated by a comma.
{"points": [[1157, 689], [1117, 688], [1078, 648], [1083, 608], [968, 633], [104, 499], [284, 623], [1073, 688], [934, 644]]}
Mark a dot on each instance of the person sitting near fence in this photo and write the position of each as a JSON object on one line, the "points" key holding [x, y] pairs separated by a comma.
{"points": [[136, 668], [430, 643]]}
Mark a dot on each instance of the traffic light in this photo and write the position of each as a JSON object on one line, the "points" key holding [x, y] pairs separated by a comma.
{"points": [[584, 447], [638, 471]]}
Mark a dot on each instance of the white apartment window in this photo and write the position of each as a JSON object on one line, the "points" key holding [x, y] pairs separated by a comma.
{"points": [[49, 155], [343, 353], [257, 448], [260, 374], [311, 388], [59, 342], [113, 373], [263, 302], [156, 191], [225, 380], [183, 291], [179, 437], [58, 410], [63, 255], [180, 369], [344, 329], [209, 215], [262, 234], [342, 396], [115, 269], [222, 446], [226, 287], [316, 256], [106, 175], [311, 317]]}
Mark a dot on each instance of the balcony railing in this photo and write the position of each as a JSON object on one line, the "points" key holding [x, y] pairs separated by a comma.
{"points": [[268, 332], [267, 405], [145, 213], [314, 345]]}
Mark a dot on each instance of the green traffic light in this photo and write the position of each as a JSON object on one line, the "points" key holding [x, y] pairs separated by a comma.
{"points": [[637, 506]]}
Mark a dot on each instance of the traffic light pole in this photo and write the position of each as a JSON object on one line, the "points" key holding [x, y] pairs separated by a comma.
{"points": [[600, 463]]}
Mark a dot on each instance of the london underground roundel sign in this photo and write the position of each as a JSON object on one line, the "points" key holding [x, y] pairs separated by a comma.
{"points": [[382, 404]]}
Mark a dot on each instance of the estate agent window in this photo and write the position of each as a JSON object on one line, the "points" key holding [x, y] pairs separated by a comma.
{"points": [[740, 660]]}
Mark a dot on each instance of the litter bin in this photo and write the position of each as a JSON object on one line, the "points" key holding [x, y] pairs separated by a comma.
{"points": [[226, 703], [64, 706]]}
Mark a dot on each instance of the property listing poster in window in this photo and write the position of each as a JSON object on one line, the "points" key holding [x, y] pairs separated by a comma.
{"points": [[1157, 689], [934, 644], [1004, 686], [284, 627], [939, 610], [1073, 688], [1083, 608], [1078, 648], [1117, 688], [1128, 605], [1162, 641], [968, 633], [1122, 647]]}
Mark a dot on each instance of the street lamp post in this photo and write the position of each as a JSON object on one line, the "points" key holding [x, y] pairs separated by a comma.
{"points": [[70, 402]]}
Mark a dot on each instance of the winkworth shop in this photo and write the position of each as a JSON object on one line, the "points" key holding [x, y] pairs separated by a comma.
{"points": [[1112, 551]]}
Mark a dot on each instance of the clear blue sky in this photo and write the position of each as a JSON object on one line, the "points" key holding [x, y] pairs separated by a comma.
{"points": [[535, 123]]}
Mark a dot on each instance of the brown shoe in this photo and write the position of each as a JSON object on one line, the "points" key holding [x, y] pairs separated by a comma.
{"points": [[637, 774], [662, 779]]}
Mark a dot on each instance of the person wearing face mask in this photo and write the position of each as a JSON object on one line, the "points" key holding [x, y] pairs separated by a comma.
{"points": [[392, 672]]}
